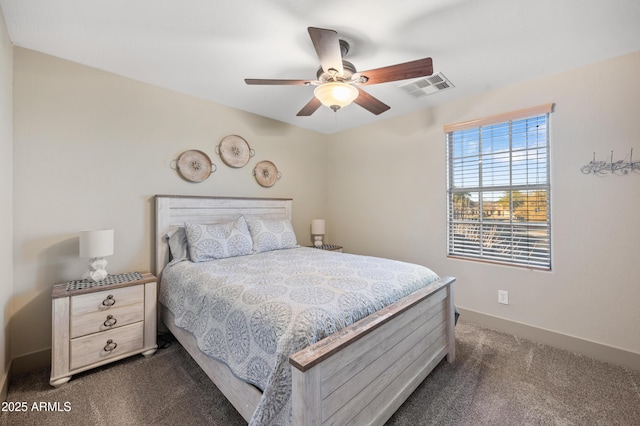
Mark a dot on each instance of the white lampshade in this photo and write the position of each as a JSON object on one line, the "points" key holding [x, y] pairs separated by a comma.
{"points": [[317, 226], [336, 95], [96, 243]]}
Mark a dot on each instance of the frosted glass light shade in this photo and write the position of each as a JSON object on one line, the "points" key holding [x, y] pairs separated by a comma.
{"points": [[96, 243], [336, 95]]}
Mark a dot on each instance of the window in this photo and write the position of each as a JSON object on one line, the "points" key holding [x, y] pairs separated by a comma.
{"points": [[498, 189]]}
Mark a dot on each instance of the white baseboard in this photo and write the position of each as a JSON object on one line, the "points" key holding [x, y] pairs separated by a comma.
{"points": [[588, 348], [4, 384]]}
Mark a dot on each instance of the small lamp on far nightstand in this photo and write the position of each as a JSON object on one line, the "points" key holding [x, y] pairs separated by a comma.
{"points": [[317, 230], [96, 245]]}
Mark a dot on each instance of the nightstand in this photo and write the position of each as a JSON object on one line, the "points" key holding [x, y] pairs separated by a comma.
{"points": [[97, 323], [329, 247]]}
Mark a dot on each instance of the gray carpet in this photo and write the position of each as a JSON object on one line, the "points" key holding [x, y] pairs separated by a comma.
{"points": [[497, 379]]}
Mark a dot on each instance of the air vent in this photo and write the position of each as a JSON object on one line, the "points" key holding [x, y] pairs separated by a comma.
{"points": [[427, 86]]}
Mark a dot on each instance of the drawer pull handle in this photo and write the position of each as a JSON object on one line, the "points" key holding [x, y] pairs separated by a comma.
{"points": [[110, 321], [109, 301], [111, 345]]}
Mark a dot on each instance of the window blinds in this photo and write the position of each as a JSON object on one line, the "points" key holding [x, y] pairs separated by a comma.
{"points": [[498, 189]]}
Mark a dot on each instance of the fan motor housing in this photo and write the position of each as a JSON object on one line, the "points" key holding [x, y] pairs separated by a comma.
{"points": [[348, 71]]}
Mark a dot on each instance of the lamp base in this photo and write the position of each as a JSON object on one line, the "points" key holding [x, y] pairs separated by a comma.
{"points": [[317, 240], [97, 270]]}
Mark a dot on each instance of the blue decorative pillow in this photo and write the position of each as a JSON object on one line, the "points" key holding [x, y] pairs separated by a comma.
{"points": [[218, 241], [270, 235]]}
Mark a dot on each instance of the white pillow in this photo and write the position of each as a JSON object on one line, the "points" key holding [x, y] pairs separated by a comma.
{"points": [[218, 241], [270, 235]]}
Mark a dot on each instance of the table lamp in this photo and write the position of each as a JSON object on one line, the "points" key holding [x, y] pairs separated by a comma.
{"points": [[317, 230], [96, 245]]}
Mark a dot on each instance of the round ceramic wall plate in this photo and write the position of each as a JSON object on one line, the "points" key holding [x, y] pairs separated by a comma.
{"points": [[194, 165], [266, 173], [234, 151]]}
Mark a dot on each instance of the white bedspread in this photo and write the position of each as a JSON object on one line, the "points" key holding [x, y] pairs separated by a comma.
{"points": [[253, 312]]}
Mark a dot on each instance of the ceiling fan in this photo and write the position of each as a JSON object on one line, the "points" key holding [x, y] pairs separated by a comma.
{"points": [[338, 82]]}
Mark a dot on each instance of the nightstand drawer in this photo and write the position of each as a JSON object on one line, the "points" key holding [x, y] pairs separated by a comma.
{"points": [[106, 300], [101, 346], [109, 319]]}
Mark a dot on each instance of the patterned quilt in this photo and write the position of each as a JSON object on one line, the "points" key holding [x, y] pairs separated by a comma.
{"points": [[253, 312]]}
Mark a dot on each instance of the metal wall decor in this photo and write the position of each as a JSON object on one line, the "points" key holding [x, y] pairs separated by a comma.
{"points": [[234, 151], [194, 165], [266, 173], [620, 167]]}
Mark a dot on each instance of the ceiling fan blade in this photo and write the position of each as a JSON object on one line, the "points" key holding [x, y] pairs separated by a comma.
{"points": [[371, 104], [327, 47], [310, 108], [274, 82], [413, 69]]}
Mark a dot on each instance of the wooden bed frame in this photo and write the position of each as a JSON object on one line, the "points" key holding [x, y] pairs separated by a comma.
{"points": [[361, 374]]}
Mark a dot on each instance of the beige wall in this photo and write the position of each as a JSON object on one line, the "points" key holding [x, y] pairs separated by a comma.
{"points": [[387, 197], [6, 204], [92, 148]]}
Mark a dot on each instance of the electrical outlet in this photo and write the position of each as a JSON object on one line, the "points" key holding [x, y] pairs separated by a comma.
{"points": [[503, 297]]}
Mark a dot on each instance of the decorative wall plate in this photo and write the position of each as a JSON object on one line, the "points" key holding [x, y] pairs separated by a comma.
{"points": [[266, 173], [194, 165], [234, 151]]}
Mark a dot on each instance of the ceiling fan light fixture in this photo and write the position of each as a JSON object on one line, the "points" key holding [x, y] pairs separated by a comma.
{"points": [[336, 95]]}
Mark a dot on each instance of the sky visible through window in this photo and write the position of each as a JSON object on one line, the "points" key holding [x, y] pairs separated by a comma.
{"points": [[499, 155], [499, 172], [499, 192]]}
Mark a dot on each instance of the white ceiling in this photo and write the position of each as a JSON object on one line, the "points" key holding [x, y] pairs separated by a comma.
{"points": [[206, 48]]}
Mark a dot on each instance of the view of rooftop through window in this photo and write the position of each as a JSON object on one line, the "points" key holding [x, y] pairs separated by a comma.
{"points": [[499, 192]]}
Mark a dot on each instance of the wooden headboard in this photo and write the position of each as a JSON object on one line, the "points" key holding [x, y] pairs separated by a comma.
{"points": [[172, 211]]}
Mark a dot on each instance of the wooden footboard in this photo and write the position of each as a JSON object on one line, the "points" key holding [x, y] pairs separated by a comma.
{"points": [[362, 374], [359, 375]]}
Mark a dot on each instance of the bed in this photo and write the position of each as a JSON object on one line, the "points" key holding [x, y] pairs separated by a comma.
{"points": [[358, 369]]}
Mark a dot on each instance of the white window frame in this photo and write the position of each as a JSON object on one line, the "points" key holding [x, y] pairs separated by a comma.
{"points": [[506, 236]]}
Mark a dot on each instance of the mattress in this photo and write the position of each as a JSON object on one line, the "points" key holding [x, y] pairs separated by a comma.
{"points": [[252, 312]]}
